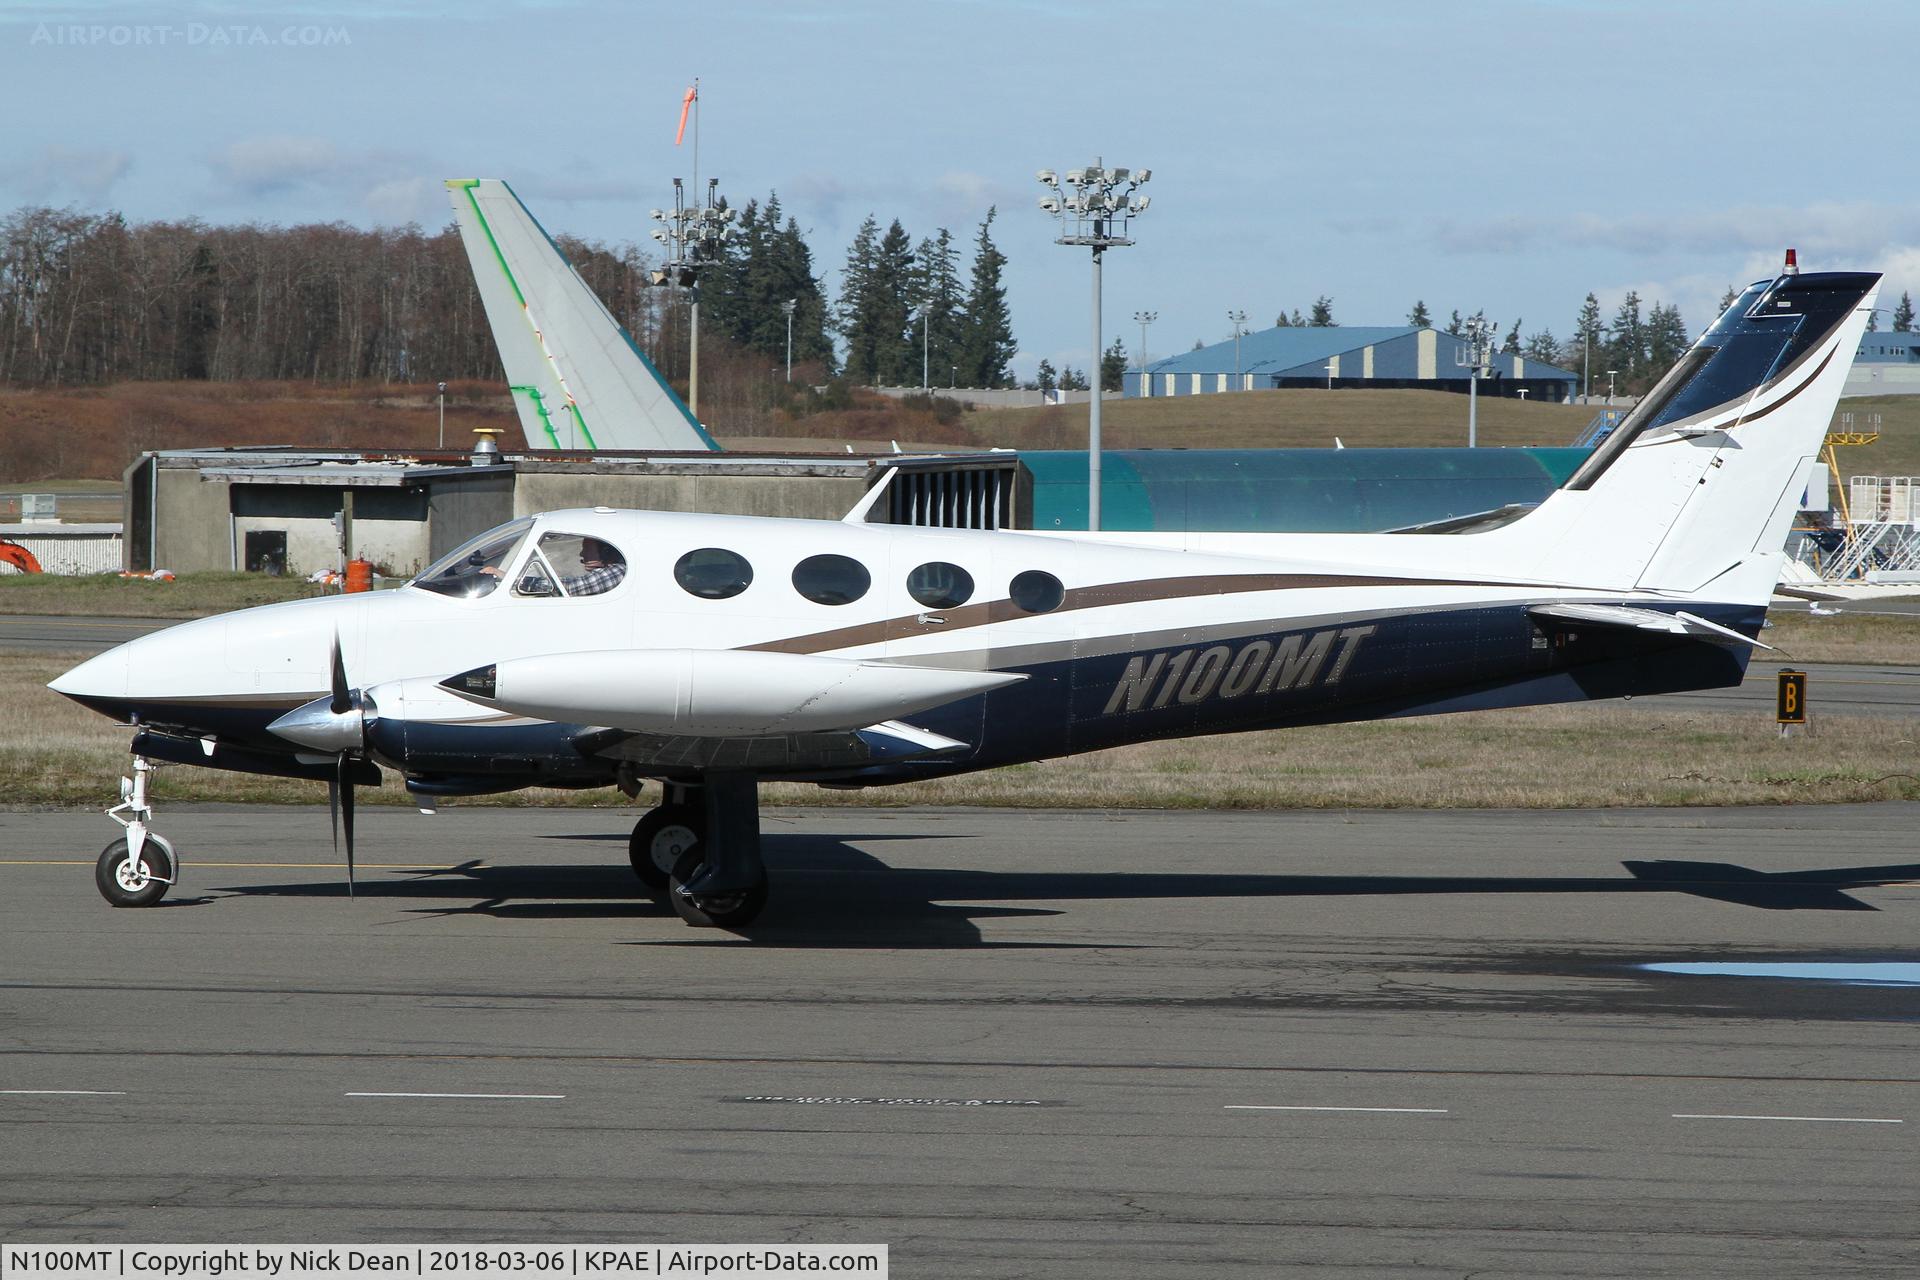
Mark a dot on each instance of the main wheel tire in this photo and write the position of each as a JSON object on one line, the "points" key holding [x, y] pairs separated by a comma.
{"points": [[124, 883], [712, 910], [658, 840]]}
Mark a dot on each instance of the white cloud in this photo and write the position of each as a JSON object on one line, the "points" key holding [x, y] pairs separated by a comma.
{"points": [[58, 174], [391, 186], [1831, 230], [403, 200]]}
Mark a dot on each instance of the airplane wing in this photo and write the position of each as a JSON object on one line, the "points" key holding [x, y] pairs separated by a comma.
{"points": [[1630, 618], [578, 380]]}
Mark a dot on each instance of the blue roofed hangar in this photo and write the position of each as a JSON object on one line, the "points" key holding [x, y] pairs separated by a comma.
{"points": [[1338, 356]]}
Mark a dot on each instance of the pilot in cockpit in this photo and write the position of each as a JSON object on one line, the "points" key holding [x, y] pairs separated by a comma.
{"points": [[601, 569]]}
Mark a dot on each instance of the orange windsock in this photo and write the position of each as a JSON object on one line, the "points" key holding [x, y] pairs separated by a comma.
{"points": [[686, 105]]}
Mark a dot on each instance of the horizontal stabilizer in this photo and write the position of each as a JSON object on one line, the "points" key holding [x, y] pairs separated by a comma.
{"points": [[897, 740], [1629, 618]]}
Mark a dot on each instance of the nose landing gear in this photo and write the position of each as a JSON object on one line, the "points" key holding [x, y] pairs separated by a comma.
{"points": [[137, 869]]}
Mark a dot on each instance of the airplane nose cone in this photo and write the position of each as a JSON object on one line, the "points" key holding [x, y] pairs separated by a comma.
{"points": [[103, 678]]}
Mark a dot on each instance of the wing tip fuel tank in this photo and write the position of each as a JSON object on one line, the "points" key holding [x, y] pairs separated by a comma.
{"points": [[717, 693]]}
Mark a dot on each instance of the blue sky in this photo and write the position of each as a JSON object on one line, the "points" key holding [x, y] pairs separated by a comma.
{"points": [[1508, 155]]}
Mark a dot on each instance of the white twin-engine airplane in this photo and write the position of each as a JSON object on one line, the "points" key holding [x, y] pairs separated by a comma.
{"points": [[603, 648]]}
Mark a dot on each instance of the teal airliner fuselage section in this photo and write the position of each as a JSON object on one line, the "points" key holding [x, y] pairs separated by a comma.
{"points": [[579, 381]]}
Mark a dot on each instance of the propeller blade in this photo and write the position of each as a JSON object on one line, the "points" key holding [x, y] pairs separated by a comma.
{"points": [[342, 695], [333, 811], [345, 786]]}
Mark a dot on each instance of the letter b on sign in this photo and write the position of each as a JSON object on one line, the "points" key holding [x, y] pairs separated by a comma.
{"points": [[1791, 698]]}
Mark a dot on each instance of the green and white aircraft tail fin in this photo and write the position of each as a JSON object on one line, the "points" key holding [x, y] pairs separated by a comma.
{"points": [[578, 379]]}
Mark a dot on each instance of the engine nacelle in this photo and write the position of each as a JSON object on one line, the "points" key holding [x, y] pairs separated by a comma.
{"points": [[716, 692]]}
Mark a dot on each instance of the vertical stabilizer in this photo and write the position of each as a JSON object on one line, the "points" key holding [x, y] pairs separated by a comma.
{"points": [[578, 380], [1694, 492]]}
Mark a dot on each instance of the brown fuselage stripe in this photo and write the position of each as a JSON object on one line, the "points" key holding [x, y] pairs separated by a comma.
{"points": [[1097, 596]]}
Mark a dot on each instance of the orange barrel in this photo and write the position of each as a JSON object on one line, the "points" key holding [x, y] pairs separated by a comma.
{"points": [[359, 575]]}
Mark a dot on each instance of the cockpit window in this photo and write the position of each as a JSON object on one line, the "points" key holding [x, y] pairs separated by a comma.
{"points": [[535, 580], [473, 569], [585, 565]]}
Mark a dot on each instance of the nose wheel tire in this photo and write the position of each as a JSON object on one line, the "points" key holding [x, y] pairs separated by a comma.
{"points": [[658, 840], [126, 883], [712, 910]]}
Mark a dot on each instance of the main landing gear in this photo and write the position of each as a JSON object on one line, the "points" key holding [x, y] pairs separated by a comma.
{"points": [[701, 848], [137, 869]]}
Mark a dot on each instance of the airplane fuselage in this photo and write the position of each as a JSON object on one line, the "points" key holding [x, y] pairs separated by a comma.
{"points": [[1114, 644]]}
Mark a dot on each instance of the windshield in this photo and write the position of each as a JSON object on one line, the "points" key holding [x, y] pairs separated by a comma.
{"points": [[473, 569]]}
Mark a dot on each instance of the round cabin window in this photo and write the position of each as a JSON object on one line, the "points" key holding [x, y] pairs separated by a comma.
{"points": [[1037, 591], [713, 573], [939, 585], [831, 579]]}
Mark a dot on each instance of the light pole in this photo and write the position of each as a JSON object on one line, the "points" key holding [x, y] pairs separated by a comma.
{"points": [[926, 321], [1479, 349], [1143, 319], [788, 307], [443, 415], [1610, 374], [1239, 319], [1097, 213], [693, 236]]}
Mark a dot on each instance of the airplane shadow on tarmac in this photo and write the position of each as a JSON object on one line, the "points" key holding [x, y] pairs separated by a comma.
{"points": [[828, 893]]}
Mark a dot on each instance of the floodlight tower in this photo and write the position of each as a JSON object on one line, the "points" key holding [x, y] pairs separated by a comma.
{"points": [[1096, 208], [694, 236], [1143, 319], [1239, 321]]}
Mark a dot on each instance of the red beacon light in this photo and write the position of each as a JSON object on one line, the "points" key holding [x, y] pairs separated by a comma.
{"points": [[1793, 263]]}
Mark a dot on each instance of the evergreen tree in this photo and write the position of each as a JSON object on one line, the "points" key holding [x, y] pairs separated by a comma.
{"points": [[1456, 324], [1731, 296], [1418, 317], [875, 306], [1589, 339], [1113, 366], [937, 301], [1296, 321], [1903, 314], [793, 278], [1873, 321], [1511, 346], [1542, 346], [1045, 378], [896, 355], [851, 315], [1071, 379], [1279, 322], [986, 342], [1322, 317], [725, 309], [1666, 339], [1627, 352]]}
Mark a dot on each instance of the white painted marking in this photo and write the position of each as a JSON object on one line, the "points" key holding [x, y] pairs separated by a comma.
{"points": [[66, 1093], [1402, 1111], [531, 1096], [1809, 1119]]}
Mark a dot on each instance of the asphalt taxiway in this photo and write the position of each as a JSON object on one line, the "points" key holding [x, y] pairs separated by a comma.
{"points": [[1063, 1044]]}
